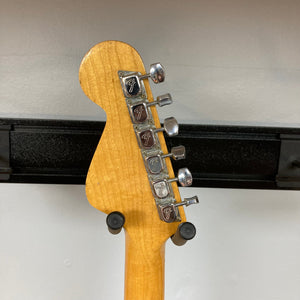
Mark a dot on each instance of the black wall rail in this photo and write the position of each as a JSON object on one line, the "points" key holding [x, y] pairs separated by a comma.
{"points": [[57, 151]]}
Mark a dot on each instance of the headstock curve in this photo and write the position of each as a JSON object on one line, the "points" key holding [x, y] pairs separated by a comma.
{"points": [[117, 178]]}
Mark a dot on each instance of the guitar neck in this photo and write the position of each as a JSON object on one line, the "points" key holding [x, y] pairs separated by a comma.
{"points": [[144, 270]]}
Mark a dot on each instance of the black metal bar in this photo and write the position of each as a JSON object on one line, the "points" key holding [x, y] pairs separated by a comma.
{"points": [[5, 169], [289, 164], [59, 151]]}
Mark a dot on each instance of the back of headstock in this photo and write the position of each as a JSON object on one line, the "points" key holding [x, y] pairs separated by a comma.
{"points": [[131, 171]]}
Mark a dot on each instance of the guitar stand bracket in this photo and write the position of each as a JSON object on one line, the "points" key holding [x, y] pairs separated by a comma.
{"points": [[185, 232], [115, 221], [60, 152], [289, 162], [5, 169]]}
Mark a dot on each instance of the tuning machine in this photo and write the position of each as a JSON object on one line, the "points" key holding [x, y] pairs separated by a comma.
{"points": [[161, 187], [154, 163], [132, 82], [147, 138], [184, 177], [177, 153], [170, 126], [156, 73], [139, 112], [162, 100], [169, 212]]}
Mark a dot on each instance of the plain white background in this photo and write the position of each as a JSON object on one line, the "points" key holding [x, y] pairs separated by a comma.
{"points": [[228, 62]]}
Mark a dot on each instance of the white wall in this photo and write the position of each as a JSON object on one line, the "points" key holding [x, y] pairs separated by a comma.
{"points": [[228, 62], [54, 245]]}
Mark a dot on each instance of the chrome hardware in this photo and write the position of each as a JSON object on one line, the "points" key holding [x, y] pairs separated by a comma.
{"points": [[146, 138], [176, 153], [171, 127], [184, 177], [156, 73], [188, 201], [169, 213], [131, 85], [155, 164], [161, 100], [139, 112], [144, 127], [161, 188], [131, 81]]}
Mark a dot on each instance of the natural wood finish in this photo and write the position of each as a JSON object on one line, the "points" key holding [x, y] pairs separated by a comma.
{"points": [[117, 179]]}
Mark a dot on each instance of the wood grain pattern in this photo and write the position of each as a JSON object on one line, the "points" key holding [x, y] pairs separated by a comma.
{"points": [[117, 179]]}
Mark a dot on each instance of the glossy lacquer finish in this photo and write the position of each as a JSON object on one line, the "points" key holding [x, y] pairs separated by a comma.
{"points": [[117, 179]]}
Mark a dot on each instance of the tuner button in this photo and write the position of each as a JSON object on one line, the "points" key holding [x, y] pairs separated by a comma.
{"points": [[185, 231], [165, 99], [184, 177], [177, 153], [162, 100], [188, 201], [154, 163], [115, 221], [156, 73], [171, 127]]}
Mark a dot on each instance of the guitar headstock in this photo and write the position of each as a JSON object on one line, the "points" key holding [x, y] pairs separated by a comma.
{"points": [[131, 170]]}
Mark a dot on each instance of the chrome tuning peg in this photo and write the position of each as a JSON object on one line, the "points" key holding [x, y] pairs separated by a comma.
{"points": [[171, 127], [184, 177], [132, 82], [154, 163], [156, 73], [169, 213], [188, 201], [147, 139], [177, 153], [161, 100], [161, 187], [139, 112]]}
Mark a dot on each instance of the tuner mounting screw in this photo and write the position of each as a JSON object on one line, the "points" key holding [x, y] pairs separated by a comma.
{"points": [[115, 221]]}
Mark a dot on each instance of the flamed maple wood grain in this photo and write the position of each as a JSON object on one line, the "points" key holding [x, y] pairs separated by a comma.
{"points": [[117, 179]]}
